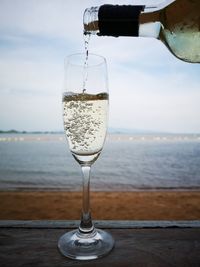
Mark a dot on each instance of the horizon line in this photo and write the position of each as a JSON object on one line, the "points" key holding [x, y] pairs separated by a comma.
{"points": [[110, 131]]}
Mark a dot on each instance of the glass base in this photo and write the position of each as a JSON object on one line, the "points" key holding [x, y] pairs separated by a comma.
{"points": [[76, 245]]}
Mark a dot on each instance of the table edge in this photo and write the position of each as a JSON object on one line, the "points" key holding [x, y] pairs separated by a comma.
{"points": [[108, 224]]}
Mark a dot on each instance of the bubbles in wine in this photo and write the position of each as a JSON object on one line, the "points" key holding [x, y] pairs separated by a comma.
{"points": [[85, 121]]}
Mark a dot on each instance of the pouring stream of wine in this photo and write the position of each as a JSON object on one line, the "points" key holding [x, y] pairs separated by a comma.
{"points": [[85, 68]]}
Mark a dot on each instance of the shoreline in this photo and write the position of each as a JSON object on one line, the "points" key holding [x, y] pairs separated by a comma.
{"points": [[66, 189], [115, 205], [117, 136]]}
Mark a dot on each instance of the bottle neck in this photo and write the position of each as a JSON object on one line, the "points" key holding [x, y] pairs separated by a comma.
{"points": [[112, 20], [115, 20]]}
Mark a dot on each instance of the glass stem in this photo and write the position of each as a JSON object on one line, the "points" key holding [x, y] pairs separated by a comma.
{"points": [[86, 225]]}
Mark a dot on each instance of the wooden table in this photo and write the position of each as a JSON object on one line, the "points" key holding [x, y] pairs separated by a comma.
{"points": [[138, 243]]}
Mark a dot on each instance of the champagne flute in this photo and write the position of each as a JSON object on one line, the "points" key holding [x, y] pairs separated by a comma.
{"points": [[85, 112]]}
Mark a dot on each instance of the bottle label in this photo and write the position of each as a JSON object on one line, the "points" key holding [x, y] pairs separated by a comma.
{"points": [[115, 20]]}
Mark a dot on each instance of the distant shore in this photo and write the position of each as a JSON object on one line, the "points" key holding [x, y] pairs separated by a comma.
{"points": [[141, 205], [110, 132], [60, 136], [30, 132]]}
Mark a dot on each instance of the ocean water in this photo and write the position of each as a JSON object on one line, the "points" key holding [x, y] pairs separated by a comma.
{"points": [[127, 162]]}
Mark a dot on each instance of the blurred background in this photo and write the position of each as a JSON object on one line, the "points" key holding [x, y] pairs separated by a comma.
{"points": [[150, 90], [154, 141]]}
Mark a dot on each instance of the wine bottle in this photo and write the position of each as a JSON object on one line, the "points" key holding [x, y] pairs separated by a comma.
{"points": [[175, 23]]}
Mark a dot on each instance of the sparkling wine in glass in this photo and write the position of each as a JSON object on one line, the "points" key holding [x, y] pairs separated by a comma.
{"points": [[85, 116]]}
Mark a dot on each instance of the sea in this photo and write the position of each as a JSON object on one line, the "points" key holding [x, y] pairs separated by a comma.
{"points": [[128, 162]]}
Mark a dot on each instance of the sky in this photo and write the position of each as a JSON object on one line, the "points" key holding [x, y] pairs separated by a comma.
{"points": [[149, 88]]}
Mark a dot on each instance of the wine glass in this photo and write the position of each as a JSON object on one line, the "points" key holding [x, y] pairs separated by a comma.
{"points": [[85, 112]]}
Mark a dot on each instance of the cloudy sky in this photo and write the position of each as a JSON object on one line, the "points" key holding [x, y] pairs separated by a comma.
{"points": [[149, 88]]}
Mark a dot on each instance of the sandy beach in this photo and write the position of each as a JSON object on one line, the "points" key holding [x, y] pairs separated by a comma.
{"points": [[139, 205]]}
